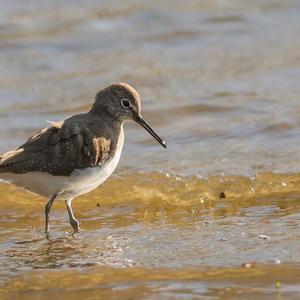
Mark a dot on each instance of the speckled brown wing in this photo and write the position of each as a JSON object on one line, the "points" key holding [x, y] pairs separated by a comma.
{"points": [[58, 150]]}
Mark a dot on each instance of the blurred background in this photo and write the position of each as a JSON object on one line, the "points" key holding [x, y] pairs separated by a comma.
{"points": [[217, 214]]}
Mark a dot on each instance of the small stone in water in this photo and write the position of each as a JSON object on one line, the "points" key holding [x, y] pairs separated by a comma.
{"points": [[248, 265], [222, 195]]}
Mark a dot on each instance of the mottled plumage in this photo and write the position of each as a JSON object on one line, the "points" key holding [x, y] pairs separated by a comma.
{"points": [[75, 143]]}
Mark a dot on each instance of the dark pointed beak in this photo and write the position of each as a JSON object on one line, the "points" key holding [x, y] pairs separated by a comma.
{"points": [[138, 118]]}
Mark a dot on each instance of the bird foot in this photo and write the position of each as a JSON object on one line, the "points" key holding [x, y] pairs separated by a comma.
{"points": [[75, 224]]}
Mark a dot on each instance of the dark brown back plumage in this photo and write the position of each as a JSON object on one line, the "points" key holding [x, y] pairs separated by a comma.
{"points": [[76, 143]]}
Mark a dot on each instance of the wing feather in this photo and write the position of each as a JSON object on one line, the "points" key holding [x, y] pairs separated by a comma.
{"points": [[58, 150]]}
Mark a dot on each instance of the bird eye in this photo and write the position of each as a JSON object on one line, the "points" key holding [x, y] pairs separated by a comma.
{"points": [[125, 103]]}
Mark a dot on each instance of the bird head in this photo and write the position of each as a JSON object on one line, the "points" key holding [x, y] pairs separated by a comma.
{"points": [[122, 102]]}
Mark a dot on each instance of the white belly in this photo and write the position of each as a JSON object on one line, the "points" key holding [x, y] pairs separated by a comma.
{"points": [[81, 181]]}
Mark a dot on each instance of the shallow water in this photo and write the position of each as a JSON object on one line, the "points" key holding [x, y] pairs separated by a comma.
{"points": [[217, 214]]}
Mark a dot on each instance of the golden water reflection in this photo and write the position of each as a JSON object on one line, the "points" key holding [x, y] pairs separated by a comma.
{"points": [[156, 233]]}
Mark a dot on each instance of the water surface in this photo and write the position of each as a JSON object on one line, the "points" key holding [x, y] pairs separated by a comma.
{"points": [[217, 214]]}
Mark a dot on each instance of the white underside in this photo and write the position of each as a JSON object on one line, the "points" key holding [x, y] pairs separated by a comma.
{"points": [[80, 182]]}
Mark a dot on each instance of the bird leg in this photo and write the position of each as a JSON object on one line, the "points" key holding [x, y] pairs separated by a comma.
{"points": [[47, 211], [74, 223]]}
